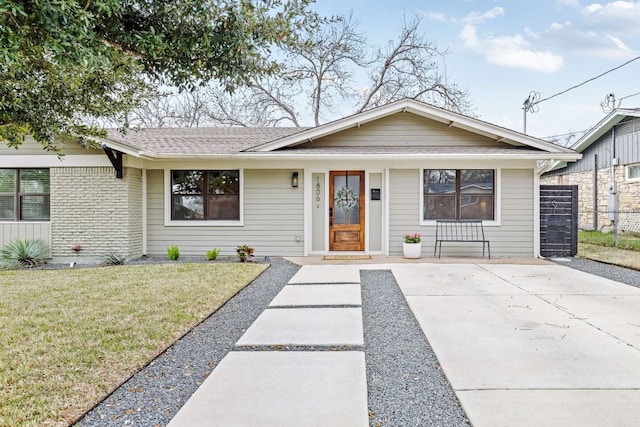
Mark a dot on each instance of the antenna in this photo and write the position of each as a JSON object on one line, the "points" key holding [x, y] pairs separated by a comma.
{"points": [[530, 105], [609, 103]]}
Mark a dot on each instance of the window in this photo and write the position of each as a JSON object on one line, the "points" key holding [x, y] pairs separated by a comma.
{"points": [[633, 172], [205, 195], [24, 194], [459, 194]]}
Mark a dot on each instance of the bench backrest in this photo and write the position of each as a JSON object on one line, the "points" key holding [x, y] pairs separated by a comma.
{"points": [[461, 231]]}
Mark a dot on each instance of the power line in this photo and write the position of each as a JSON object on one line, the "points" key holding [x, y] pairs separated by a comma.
{"points": [[589, 80], [531, 103]]}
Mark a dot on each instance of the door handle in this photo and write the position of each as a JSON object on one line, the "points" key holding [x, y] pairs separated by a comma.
{"points": [[330, 216]]}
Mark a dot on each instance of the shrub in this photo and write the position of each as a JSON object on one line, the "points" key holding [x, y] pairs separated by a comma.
{"points": [[113, 258], [213, 254], [173, 252], [24, 253], [244, 252]]}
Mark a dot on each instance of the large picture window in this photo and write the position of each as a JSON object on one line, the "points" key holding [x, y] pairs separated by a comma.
{"points": [[24, 194], [205, 195], [459, 194]]}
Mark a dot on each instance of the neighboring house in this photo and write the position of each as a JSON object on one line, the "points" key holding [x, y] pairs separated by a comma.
{"points": [[355, 185], [608, 175]]}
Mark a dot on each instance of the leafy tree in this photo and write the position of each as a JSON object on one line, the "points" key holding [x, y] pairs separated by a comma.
{"points": [[63, 62]]}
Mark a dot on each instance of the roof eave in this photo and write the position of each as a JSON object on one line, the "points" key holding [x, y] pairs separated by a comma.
{"points": [[127, 149], [369, 156]]}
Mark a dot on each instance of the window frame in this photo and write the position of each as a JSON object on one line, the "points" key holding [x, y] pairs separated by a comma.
{"points": [[168, 205], [18, 195], [497, 195], [628, 172]]}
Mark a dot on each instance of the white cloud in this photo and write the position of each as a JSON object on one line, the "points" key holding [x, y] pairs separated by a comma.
{"points": [[578, 38], [618, 18], [476, 18], [507, 51], [436, 16]]}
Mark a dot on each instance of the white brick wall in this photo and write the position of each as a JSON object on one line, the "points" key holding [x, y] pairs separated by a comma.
{"points": [[92, 208]]}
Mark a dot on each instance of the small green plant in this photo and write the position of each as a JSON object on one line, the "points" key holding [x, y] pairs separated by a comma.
{"points": [[173, 252], [24, 253], [213, 254], [244, 253], [113, 258]]}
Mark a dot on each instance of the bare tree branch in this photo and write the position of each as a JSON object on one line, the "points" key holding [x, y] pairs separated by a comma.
{"points": [[319, 75]]}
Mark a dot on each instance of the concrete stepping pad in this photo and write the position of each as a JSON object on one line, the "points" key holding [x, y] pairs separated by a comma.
{"points": [[283, 389], [310, 295], [327, 274], [306, 326]]}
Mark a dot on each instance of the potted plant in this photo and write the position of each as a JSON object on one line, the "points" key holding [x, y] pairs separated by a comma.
{"points": [[412, 246], [244, 253]]}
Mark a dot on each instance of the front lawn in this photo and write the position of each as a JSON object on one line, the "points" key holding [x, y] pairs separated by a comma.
{"points": [[601, 247], [69, 337]]}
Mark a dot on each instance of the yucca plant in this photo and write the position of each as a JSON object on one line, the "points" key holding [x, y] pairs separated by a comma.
{"points": [[24, 253], [113, 258]]}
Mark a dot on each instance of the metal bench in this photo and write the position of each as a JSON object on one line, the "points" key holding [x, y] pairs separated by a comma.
{"points": [[459, 231]]}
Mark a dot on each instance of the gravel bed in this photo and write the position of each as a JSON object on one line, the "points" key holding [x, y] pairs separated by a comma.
{"points": [[156, 393], [406, 386], [608, 271], [405, 382]]}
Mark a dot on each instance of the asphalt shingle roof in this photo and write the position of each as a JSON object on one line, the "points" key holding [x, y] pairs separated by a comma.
{"points": [[194, 141]]}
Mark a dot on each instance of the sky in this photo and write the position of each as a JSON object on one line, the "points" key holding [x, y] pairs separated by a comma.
{"points": [[502, 51]]}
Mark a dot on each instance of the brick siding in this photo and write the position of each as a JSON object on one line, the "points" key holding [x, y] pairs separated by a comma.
{"points": [[93, 209]]}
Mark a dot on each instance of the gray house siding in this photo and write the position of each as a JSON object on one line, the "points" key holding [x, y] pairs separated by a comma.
{"points": [[626, 149], [512, 238], [273, 217], [404, 129]]}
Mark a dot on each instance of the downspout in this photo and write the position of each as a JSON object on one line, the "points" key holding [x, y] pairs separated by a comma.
{"points": [[144, 212], [595, 191], [614, 190]]}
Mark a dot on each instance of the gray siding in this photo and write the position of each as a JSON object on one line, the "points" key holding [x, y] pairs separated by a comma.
{"points": [[513, 238], [403, 129], [273, 217], [10, 231], [33, 148], [627, 149]]}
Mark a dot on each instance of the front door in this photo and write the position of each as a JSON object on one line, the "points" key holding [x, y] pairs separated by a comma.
{"points": [[346, 211]]}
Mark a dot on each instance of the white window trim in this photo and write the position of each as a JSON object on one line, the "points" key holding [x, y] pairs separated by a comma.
{"points": [[168, 222], [626, 173], [496, 222]]}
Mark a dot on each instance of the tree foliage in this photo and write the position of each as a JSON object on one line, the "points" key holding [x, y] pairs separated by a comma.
{"points": [[327, 67], [63, 61]]}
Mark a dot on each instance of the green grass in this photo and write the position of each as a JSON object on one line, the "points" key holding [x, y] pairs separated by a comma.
{"points": [[625, 240], [69, 337]]}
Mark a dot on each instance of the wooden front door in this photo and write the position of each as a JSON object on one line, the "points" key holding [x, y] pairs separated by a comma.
{"points": [[346, 211]]}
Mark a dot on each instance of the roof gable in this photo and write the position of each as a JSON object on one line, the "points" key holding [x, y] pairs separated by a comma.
{"points": [[592, 136], [448, 118]]}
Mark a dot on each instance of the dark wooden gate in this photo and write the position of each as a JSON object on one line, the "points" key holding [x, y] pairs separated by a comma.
{"points": [[558, 220]]}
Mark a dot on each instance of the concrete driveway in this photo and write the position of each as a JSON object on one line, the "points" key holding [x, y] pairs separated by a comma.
{"points": [[531, 345]]}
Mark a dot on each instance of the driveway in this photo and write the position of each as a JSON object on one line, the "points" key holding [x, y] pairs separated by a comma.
{"points": [[531, 345]]}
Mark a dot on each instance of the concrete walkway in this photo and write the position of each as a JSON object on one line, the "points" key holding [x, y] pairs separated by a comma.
{"points": [[521, 344], [267, 385]]}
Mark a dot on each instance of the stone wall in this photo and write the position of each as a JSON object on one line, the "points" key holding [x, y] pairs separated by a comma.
{"points": [[628, 198], [93, 209]]}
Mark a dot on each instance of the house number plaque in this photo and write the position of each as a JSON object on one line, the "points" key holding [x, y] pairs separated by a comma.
{"points": [[318, 192]]}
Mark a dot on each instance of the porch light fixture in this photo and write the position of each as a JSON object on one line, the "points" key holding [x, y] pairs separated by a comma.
{"points": [[294, 180]]}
